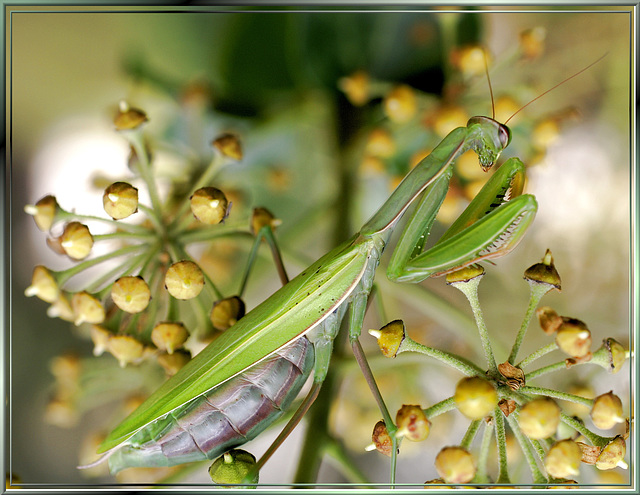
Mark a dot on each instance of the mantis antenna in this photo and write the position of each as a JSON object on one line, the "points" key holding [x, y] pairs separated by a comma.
{"points": [[486, 71], [554, 87]]}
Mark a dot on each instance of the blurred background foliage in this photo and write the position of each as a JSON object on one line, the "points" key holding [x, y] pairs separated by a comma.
{"points": [[277, 79]]}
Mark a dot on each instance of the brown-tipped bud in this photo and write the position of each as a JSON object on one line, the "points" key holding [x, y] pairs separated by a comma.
{"points": [[232, 467], [381, 439], [131, 294], [455, 465], [539, 418], [43, 285], [400, 104], [549, 320], [209, 205], [616, 355], [76, 240], [169, 336], [128, 117], [172, 363], [573, 337], [43, 212], [261, 217], [87, 308], [612, 455], [563, 459], [120, 200], [100, 337], [607, 411], [125, 349], [412, 423], [229, 145], [465, 274], [184, 280], [544, 273], [227, 312], [475, 397], [356, 88], [380, 144], [390, 337]]}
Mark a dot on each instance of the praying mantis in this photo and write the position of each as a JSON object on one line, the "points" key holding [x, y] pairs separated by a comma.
{"points": [[246, 379]]}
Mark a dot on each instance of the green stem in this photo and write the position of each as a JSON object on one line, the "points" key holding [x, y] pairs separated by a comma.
{"points": [[557, 395], [536, 474], [579, 426], [144, 167], [211, 287], [501, 441], [537, 354], [206, 234], [472, 430], [537, 291], [67, 215], [145, 236], [465, 367], [439, 408], [483, 456], [344, 464], [122, 270], [154, 218]]}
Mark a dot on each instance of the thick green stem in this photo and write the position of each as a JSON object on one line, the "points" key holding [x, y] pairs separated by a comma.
{"points": [[536, 474], [483, 456], [440, 408], [579, 426], [123, 226], [557, 395], [206, 234], [501, 441], [537, 354], [472, 430], [537, 291], [465, 367], [136, 139]]}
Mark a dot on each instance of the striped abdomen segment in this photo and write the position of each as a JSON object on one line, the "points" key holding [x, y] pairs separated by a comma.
{"points": [[224, 417]]}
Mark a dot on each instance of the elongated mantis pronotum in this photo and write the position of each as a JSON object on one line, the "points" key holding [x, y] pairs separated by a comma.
{"points": [[244, 380]]}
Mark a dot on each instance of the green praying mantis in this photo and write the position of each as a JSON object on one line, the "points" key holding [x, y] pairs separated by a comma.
{"points": [[244, 380]]}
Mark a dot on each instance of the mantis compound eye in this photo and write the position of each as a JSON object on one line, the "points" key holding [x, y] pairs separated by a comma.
{"points": [[504, 135]]}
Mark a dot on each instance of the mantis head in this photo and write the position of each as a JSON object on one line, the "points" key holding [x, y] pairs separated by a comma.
{"points": [[488, 138]]}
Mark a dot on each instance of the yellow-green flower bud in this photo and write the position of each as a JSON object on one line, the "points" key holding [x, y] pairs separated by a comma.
{"points": [[61, 412], [128, 117], [380, 143], [172, 363], [120, 200], [131, 294], [412, 423], [475, 397], [549, 320], [76, 240], [390, 337], [229, 145], [607, 411], [232, 467], [539, 418], [43, 212], [612, 455], [573, 337], [169, 336], [400, 104], [438, 484], [455, 465], [261, 217], [544, 273], [125, 349], [227, 312], [465, 274], [43, 285], [209, 205], [184, 280], [356, 88], [616, 353], [87, 308], [563, 459], [62, 309], [381, 439], [100, 337]]}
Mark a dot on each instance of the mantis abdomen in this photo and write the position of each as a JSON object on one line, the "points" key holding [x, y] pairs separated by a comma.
{"points": [[224, 417]]}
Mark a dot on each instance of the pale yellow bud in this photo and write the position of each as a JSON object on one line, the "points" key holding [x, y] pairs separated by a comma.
{"points": [[131, 294], [169, 336], [87, 308], [76, 240], [43, 285], [184, 280]]}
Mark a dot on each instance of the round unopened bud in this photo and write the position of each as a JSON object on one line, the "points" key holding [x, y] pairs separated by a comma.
{"points": [[471, 60], [539, 418], [100, 337], [607, 411], [209, 205], [563, 459], [400, 104], [381, 439], [475, 397], [125, 349], [43, 285], [43, 212], [549, 320], [390, 337], [62, 309], [120, 200], [616, 353], [232, 467], [573, 337], [261, 217], [465, 274], [76, 240], [447, 118], [131, 294], [532, 41], [128, 117], [356, 88], [227, 312], [544, 273], [412, 423], [87, 308], [229, 145], [380, 143], [612, 455], [455, 465], [169, 336], [184, 280], [172, 363]]}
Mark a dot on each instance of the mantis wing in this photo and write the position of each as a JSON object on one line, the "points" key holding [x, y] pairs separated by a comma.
{"points": [[289, 313]]}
